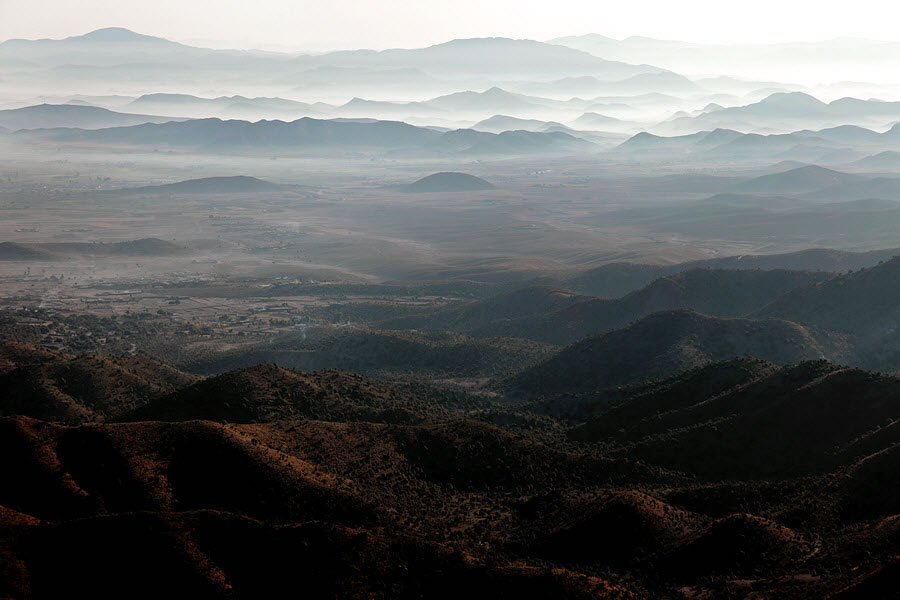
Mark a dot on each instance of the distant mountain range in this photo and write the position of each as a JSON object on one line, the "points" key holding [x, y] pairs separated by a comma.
{"points": [[82, 117], [840, 59], [314, 135], [239, 107], [841, 145], [115, 51], [786, 112]]}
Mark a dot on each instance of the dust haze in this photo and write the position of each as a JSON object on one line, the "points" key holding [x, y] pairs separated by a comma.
{"points": [[581, 317]]}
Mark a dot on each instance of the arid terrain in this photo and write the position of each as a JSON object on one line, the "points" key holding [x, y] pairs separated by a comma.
{"points": [[492, 318]]}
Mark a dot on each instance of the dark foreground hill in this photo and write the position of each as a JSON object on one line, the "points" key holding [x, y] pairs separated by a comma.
{"points": [[735, 472], [447, 182], [269, 393], [760, 421], [79, 389]]}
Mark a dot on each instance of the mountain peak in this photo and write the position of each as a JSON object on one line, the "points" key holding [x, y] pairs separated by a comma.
{"points": [[792, 99], [115, 34]]}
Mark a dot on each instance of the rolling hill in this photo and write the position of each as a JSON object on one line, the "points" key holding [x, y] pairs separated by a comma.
{"points": [[732, 470], [771, 421], [83, 388], [664, 344], [862, 304], [390, 354], [447, 182], [501, 123], [235, 184], [267, 393], [16, 251], [614, 280], [44, 116], [801, 179], [713, 292], [314, 135], [559, 316], [790, 111]]}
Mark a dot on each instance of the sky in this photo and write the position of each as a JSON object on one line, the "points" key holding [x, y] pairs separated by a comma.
{"points": [[337, 24]]}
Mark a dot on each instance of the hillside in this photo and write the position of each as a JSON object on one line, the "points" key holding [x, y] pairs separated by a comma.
{"points": [[661, 345], [267, 393], [770, 422], [308, 135], [470, 316], [862, 304], [617, 279], [46, 116], [762, 464], [447, 182], [81, 389], [714, 292], [501, 123]]}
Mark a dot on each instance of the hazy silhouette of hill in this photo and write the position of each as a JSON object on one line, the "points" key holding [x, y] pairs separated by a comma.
{"points": [[16, 251], [235, 184], [484, 56], [801, 179], [45, 116], [447, 182], [888, 160], [316, 135], [232, 106], [728, 143], [501, 123], [592, 120], [880, 187], [789, 111]]}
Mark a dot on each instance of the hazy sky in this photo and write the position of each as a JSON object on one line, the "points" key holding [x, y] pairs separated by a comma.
{"points": [[329, 24]]}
